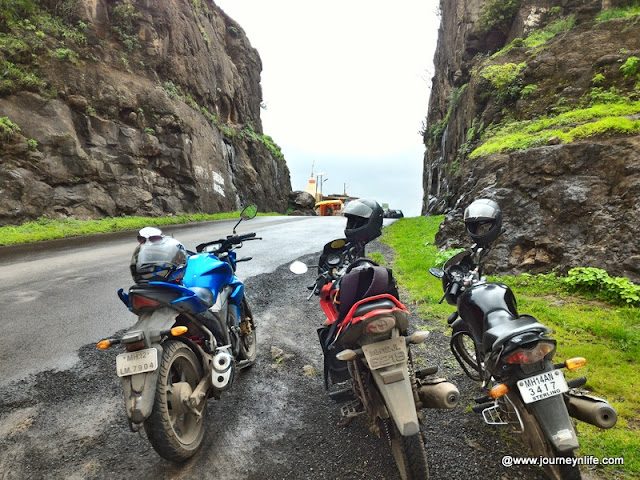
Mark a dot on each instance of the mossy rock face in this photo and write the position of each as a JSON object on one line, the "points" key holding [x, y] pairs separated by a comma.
{"points": [[144, 106], [564, 186]]}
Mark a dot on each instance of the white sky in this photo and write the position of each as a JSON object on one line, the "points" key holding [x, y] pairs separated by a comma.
{"points": [[346, 85]]}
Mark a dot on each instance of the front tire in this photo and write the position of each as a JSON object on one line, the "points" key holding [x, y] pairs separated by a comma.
{"points": [[465, 347], [535, 440], [174, 430], [409, 454], [248, 340]]}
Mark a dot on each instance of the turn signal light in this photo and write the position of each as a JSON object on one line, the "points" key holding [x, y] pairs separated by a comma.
{"points": [[346, 354], [104, 344], [498, 391], [418, 337], [177, 331], [575, 363]]}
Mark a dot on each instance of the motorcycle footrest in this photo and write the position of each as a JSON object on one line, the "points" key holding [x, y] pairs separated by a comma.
{"points": [[243, 364], [481, 407], [577, 382], [483, 399], [343, 395], [352, 409], [424, 372]]}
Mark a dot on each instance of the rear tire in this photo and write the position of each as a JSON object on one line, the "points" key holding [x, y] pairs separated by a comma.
{"points": [[409, 454], [535, 440], [175, 431]]}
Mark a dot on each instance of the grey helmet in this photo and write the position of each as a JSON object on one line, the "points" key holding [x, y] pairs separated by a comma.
{"points": [[158, 258], [364, 220], [483, 221]]}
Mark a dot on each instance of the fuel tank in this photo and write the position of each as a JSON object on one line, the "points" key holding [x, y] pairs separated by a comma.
{"points": [[475, 303], [208, 271]]}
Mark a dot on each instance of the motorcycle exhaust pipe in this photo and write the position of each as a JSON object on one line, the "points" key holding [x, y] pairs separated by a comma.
{"points": [[592, 410], [222, 371], [439, 394]]}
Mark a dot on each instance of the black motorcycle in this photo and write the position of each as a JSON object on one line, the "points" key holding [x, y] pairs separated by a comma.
{"points": [[512, 353]]}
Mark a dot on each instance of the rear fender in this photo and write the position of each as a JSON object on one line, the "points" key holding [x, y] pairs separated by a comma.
{"points": [[555, 423], [140, 389], [395, 386]]}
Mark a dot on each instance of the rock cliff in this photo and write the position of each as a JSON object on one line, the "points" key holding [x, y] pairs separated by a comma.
{"points": [[536, 104], [131, 107]]}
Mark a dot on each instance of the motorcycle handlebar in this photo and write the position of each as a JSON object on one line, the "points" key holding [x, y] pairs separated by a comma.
{"points": [[226, 243], [455, 286]]}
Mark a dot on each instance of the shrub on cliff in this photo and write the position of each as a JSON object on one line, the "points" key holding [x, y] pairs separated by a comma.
{"points": [[498, 14]]}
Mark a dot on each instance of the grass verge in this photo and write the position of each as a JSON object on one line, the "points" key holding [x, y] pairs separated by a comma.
{"points": [[48, 229], [607, 335]]}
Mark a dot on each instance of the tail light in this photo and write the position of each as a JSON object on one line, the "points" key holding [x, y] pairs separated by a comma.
{"points": [[138, 302], [527, 356], [380, 324], [133, 341]]}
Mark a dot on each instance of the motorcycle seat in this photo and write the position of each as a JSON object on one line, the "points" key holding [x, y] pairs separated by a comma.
{"points": [[204, 294], [383, 303], [508, 328]]}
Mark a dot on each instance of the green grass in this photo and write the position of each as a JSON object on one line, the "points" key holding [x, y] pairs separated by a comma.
{"points": [[607, 335], [48, 229], [630, 11], [602, 119]]}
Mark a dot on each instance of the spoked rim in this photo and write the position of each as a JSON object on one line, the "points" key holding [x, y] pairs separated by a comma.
{"points": [[466, 349]]}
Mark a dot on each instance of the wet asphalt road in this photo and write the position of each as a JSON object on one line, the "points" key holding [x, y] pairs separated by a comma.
{"points": [[63, 292], [275, 423]]}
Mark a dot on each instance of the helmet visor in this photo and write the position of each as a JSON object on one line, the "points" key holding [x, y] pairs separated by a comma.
{"points": [[151, 239], [479, 211], [481, 228]]}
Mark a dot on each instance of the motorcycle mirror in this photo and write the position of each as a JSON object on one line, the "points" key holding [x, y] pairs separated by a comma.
{"points": [[436, 272], [247, 213], [298, 267]]}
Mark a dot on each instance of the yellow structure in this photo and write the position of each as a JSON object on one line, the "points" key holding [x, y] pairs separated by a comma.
{"points": [[329, 207]]}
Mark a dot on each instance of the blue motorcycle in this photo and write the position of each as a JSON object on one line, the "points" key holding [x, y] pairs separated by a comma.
{"points": [[194, 331]]}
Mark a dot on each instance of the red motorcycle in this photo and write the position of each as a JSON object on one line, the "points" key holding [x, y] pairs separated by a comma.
{"points": [[368, 364]]}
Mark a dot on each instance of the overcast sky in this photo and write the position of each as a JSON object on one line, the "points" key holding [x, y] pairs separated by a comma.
{"points": [[346, 86]]}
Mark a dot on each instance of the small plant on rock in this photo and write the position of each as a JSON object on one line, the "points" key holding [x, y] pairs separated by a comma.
{"points": [[630, 67]]}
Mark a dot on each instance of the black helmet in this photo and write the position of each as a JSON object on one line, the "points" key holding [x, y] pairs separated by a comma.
{"points": [[158, 258], [364, 220], [483, 221]]}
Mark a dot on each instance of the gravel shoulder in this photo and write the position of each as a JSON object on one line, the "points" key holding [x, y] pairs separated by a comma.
{"points": [[275, 423]]}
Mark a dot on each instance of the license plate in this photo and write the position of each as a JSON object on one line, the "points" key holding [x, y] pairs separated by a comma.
{"points": [[545, 385], [141, 361], [385, 353]]}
